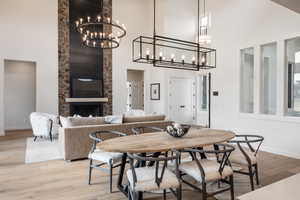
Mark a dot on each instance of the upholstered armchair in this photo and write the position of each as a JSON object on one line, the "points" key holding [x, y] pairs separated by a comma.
{"points": [[44, 125]]}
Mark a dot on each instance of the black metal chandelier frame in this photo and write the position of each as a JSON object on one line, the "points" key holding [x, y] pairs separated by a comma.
{"points": [[93, 34], [204, 58]]}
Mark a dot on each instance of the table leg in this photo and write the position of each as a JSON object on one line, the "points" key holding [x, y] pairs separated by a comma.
{"points": [[122, 188]]}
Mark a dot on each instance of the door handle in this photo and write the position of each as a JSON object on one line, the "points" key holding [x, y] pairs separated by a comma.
{"points": [[182, 106]]}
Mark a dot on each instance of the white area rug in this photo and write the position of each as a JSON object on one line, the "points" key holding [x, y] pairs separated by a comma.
{"points": [[41, 150]]}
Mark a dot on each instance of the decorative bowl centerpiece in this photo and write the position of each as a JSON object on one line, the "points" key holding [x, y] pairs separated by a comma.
{"points": [[178, 130]]}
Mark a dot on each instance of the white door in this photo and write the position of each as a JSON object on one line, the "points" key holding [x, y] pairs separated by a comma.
{"points": [[182, 100]]}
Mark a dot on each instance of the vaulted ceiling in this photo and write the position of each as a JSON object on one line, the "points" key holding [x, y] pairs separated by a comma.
{"points": [[290, 4]]}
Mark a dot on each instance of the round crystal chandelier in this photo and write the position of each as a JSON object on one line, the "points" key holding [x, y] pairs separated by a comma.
{"points": [[100, 31]]}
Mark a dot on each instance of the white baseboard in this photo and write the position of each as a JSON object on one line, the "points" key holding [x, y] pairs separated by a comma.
{"points": [[280, 152]]}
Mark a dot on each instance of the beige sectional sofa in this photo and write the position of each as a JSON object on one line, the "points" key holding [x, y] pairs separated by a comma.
{"points": [[75, 143]]}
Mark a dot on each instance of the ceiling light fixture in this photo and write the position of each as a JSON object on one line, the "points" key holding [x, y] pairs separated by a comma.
{"points": [[205, 23], [167, 52], [100, 31]]}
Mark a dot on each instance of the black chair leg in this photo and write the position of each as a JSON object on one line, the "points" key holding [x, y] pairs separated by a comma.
{"points": [[35, 138], [179, 193], [256, 174], [204, 192], [90, 171], [110, 176], [51, 139], [165, 194], [251, 177], [231, 187]]}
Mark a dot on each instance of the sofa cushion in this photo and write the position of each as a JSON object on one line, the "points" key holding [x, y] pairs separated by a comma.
{"points": [[147, 118], [114, 119], [68, 122]]}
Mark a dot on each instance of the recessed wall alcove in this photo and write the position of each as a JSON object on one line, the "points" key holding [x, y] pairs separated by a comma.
{"points": [[19, 93]]}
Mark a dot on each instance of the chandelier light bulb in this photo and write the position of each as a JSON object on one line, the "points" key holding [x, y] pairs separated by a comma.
{"points": [[147, 54], [182, 59], [203, 60], [88, 18], [99, 18], [193, 60], [172, 58], [81, 20], [108, 20], [94, 43], [77, 23], [160, 55]]}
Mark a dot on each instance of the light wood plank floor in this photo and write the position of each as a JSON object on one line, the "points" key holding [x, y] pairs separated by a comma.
{"points": [[62, 180]]}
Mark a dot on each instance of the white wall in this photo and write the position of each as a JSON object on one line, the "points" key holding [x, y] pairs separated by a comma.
{"points": [[135, 14], [19, 94], [240, 24], [29, 32]]}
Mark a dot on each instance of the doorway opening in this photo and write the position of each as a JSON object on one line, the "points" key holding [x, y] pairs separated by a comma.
{"points": [[19, 94], [135, 87]]}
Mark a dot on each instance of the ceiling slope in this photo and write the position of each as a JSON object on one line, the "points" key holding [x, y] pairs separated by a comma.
{"points": [[290, 4]]}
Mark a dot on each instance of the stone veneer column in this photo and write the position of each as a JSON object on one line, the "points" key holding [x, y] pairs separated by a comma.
{"points": [[63, 57], [107, 64]]}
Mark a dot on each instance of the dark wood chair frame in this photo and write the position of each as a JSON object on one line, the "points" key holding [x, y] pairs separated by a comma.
{"points": [[50, 132], [222, 153], [249, 140], [97, 138], [132, 195]]}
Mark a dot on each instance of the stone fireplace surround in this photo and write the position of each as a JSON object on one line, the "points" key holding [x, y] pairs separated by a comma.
{"points": [[64, 64]]}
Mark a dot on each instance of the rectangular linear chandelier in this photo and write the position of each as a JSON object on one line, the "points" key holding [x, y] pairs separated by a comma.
{"points": [[166, 52]]}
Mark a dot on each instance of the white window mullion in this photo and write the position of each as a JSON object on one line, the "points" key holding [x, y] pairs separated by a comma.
{"points": [[257, 80], [281, 82]]}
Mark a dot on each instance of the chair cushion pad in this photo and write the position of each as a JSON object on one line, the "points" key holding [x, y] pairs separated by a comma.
{"points": [[103, 156], [238, 157], [146, 179], [210, 167]]}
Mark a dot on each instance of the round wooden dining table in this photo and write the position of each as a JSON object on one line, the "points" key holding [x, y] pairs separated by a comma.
{"points": [[161, 142]]}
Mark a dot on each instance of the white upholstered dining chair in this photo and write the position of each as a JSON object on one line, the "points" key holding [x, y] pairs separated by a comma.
{"points": [[111, 159], [205, 171], [152, 178]]}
